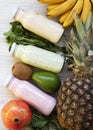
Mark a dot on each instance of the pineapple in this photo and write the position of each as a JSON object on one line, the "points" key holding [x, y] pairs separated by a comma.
{"points": [[75, 97]]}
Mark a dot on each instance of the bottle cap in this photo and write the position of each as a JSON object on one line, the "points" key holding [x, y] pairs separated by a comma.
{"points": [[15, 12], [90, 53], [5, 84], [13, 48]]}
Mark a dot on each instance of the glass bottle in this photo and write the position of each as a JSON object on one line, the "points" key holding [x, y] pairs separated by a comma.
{"points": [[31, 94], [39, 24], [38, 57]]}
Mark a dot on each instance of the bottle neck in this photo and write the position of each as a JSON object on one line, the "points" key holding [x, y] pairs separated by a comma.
{"points": [[8, 80], [16, 50], [12, 50], [20, 14]]}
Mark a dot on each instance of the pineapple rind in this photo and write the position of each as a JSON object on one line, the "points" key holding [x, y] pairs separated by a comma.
{"points": [[75, 104], [75, 97]]}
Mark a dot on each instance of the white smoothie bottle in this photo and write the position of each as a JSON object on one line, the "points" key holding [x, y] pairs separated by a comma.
{"points": [[39, 24], [38, 57], [31, 94]]}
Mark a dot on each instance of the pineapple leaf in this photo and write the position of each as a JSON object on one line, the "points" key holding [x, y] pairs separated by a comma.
{"points": [[91, 43], [74, 38], [75, 49], [89, 22], [77, 62], [69, 49], [82, 53], [91, 40], [80, 27], [87, 39]]}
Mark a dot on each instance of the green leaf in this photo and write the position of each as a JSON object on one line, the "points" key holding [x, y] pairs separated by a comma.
{"points": [[74, 39], [45, 128], [82, 53], [42, 122], [89, 22], [52, 126], [80, 27], [39, 121], [20, 35]]}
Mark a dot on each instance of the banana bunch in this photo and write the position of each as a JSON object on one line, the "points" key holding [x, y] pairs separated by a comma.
{"points": [[65, 10]]}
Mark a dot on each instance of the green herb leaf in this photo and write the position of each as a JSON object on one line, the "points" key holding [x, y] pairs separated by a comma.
{"points": [[53, 126], [39, 121], [42, 122], [22, 36]]}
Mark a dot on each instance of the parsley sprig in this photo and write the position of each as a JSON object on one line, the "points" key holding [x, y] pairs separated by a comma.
{"points": [[20, 35]]}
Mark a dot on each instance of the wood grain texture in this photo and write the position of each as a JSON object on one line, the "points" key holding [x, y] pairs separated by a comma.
{"points": [[6, 60]]}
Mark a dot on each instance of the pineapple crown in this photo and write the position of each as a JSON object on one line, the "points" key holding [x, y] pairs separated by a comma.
{"points": [[81, 46]]}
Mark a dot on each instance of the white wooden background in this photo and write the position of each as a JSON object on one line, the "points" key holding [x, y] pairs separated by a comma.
{"points": [[6, 60]]}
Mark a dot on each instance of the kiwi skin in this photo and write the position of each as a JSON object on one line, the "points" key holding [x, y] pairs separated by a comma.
{"points": [[22, 71]]}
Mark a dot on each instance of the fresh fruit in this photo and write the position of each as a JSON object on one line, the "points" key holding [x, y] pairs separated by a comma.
{"points": [[65, 6], [91, 1], [47, 81], [62, 8], [86, 10], [52, 6], [16, 114], [50, 1], [76, 9], [75, 97], [64, 16], [22, 71]]}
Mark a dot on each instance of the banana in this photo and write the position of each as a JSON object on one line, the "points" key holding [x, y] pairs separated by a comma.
{"points": [[92, 1], [64, 16], [92, 8], [50, 7], [77, 9], [92, 12], [51, 1], [62, 8], [86, 10]]}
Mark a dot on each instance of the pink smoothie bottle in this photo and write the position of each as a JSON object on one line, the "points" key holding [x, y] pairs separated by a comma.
{"points": [[31, 94]]}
